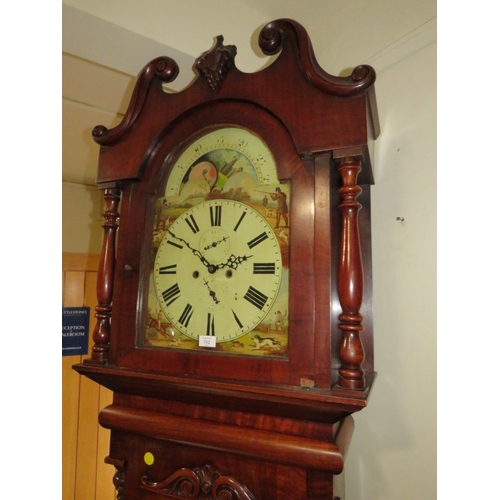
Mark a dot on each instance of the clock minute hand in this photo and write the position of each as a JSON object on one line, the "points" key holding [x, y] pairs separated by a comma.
{"points": [[194, 250]]}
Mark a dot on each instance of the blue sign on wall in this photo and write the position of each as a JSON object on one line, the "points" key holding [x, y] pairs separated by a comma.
{"points": [[75, 330]]}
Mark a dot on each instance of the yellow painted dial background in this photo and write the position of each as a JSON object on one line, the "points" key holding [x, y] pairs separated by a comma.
{"points": [[193, 304], [219, 146]]}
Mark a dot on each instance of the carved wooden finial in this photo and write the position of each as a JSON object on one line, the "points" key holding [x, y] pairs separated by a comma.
{"points": [[215, 63]]}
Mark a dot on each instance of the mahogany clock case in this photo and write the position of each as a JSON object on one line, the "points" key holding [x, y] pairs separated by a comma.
{"points": [[313, 124]]}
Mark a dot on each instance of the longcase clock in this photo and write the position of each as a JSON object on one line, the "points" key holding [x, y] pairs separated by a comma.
{"points": [[234, 323]]}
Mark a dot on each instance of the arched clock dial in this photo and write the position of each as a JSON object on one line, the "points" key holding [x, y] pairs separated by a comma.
{"points": [[218, 156], [218, 270], [220, 249]]}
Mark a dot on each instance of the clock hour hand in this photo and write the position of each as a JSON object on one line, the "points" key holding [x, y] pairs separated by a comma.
{"points": [[194, 250], [233, 262]]}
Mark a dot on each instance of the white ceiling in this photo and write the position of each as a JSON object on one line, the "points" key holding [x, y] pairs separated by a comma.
{"points": [[107, 42]]}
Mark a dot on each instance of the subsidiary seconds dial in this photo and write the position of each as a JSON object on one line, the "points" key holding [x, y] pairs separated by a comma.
{"points": [[218, 270]]}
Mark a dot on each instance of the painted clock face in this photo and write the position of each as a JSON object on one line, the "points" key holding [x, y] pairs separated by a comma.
{"points": [[220, 249], [218, 270]]}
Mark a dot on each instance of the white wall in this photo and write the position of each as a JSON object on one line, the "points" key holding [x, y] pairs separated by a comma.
{"points": [[82, 208], [393, 452], [82, 202]]}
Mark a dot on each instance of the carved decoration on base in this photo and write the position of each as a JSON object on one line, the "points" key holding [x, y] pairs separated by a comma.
{"points": [[203, 483]]}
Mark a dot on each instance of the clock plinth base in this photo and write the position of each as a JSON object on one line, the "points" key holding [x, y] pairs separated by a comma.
{"points": [[260, 442], [161, 445]]}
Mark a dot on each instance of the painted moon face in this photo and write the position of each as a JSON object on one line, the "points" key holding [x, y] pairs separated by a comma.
{"points": [[204, 170], [240, 151]]}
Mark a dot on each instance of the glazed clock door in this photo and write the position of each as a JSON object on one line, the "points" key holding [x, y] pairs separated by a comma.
{"points": [[209, 263], [219, 276]]}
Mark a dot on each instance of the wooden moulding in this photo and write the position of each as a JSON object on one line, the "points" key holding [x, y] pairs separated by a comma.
{"points": [[263, 445], [344, 107], [312, 404]]}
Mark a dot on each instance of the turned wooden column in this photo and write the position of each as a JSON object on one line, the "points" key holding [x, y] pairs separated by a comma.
{"points": [[105, 277], [119, 476], [350, 278]]}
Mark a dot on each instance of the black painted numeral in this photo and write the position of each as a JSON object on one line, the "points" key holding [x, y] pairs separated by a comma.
{"points": [[215, 215], [264, 268], [186, 315], [239, 221], [191, 222], [257, 240], [210, 324], [168, 269], [174, 244], [258, 299], [171, 294], [237, 319]]}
